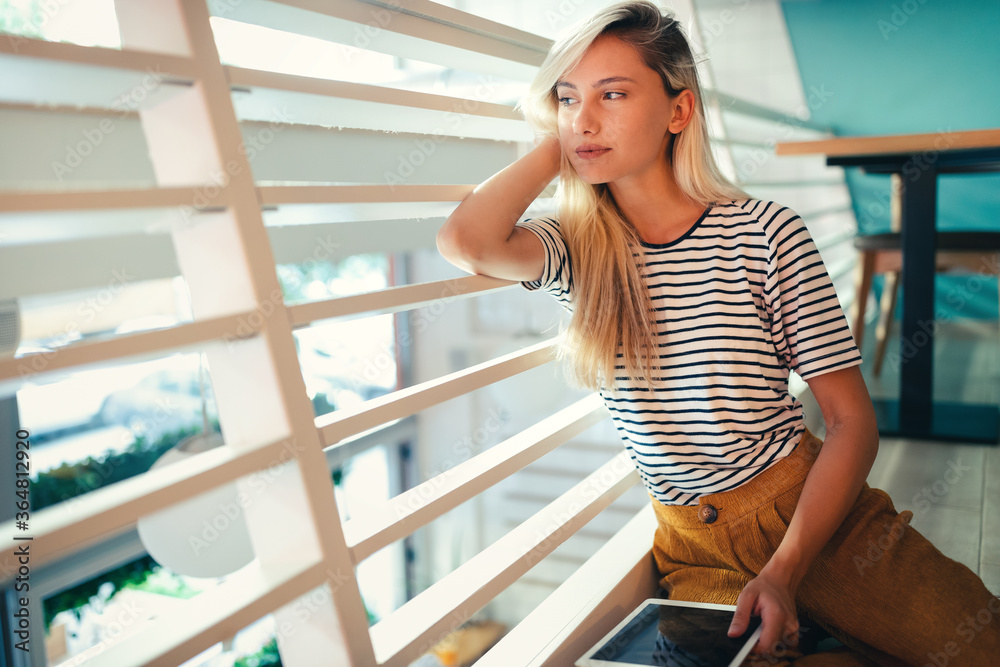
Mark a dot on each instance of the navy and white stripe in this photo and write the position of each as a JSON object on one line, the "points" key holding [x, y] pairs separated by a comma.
{"points": [[740, 300]]}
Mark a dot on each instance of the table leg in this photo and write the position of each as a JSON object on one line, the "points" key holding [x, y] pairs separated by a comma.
{"points": [[916, 414], [918, 202]]}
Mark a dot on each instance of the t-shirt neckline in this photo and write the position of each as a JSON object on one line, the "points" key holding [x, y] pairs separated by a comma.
{"points": [[658, 246]]}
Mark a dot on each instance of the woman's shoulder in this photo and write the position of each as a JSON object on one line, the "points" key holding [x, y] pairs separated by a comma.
{"points": [[547, 223], [546, 229], [752, 206], [765, 213]]}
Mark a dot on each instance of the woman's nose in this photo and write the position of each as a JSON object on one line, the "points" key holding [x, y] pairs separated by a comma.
{"points": [[586, 120]]}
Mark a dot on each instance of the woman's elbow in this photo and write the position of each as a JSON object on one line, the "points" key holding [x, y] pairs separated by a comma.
{"points": [[456, 247]]}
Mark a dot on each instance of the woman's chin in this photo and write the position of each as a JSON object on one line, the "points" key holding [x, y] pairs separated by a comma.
{"points": [[591, 178]]}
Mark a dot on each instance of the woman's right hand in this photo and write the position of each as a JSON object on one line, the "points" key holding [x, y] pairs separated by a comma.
{"points": [[480, 235], [550, 142]]}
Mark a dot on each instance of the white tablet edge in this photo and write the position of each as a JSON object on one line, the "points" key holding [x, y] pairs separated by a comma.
{"points": [[739, 657], [587, 661]]}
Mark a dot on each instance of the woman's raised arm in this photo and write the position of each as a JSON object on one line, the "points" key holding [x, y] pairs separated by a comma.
{"points": [[480, 235]]}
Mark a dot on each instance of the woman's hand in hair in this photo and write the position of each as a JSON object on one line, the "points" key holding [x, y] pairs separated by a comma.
{"points": [[480, 236], [541, 137]]}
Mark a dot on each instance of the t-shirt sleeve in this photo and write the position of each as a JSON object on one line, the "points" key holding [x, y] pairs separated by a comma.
{"points": [[808, 325], [557, 275]]}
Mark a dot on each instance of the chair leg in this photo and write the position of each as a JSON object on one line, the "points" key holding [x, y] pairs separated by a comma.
{"points": [[887, 308], [863, 285]]}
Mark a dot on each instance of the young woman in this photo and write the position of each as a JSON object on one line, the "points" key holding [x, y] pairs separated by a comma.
{"points": [[691, 301]]}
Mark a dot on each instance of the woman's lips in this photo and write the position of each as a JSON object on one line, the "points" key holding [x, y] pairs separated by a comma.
{"points": [[590, 152]]}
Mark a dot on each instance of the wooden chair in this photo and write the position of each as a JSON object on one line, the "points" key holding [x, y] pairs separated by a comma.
{"points": [[976, 252]]}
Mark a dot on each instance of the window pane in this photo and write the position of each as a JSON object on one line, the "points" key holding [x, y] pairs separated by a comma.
{"points": [[96, 614], [367, 481], [99, 427], [268, 49], [541, 17], [83, 22], [344, 362]]}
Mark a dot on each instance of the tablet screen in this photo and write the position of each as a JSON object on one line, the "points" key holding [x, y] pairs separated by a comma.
{"points": [[675, 635]]}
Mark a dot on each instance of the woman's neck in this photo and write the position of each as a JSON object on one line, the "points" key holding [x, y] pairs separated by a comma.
{"points": [[658, 209]]}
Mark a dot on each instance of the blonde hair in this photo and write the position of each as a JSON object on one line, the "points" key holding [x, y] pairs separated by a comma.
{"points": [[612, 312]]}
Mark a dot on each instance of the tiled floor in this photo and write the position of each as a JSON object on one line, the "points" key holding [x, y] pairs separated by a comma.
{"points": [[953, 489]]}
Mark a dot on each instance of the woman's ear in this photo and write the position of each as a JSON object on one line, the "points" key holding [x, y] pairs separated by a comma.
{"points": [[681, 111]]}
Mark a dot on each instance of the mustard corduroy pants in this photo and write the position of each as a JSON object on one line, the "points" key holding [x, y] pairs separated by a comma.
{"points": [[878, 586]]}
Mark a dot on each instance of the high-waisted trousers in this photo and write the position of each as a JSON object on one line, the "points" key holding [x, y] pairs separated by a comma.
{"points": [[878, 586]]}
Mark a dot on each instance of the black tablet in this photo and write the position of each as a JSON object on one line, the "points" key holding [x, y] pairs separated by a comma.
{"points": [[674, 632]]}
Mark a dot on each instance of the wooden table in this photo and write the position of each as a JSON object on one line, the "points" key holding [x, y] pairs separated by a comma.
{"points": [[918, 159]]}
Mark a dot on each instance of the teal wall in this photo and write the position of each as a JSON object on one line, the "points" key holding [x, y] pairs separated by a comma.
{"points": [[905, 67]]}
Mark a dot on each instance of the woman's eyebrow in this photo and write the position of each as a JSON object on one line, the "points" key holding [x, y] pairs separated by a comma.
{"points": [[610, 79]]}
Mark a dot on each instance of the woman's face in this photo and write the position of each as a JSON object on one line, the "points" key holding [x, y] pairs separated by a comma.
{"points": [[615, 116]]}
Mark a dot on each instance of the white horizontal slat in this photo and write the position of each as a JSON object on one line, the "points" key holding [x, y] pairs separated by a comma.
{"points": [[517, 508], [60, 529], [414, 627], [329, 194], [408, 511], [405, 402], [316, 213], [390, 157], [416, 29], [741, 114], [89, 562], [136, 346], [60, 226], [126, 115], [35, 71], [619, 576], [291, 243], [121, 160], [84, 264], [126, 59], [189, 629], [792, 184], [38, 247], [315, 101], [838, 255], [838, 215], [395, 299], [835, 238], [32, 263], [847, 300], [806, 198], [485, 28], [754, 131], [294, 244], [839, 269], [339, 212], [73, 200], [760, 164], [60, 148], [397, 431]]}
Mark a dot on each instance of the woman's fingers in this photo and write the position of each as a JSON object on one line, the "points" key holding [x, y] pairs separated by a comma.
{"points": [[791, 637], [779, 622], [773, 622], [741, 617]]}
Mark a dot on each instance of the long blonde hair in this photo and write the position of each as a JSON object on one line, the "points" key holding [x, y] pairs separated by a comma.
{"points": [[612, 312]]}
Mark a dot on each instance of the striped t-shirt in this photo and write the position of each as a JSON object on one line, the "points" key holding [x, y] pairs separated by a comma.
{"points": [[740, 299]]}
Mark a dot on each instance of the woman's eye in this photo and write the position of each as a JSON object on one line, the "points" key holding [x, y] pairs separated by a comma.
{"points": [[566, 101], [609, 93]]}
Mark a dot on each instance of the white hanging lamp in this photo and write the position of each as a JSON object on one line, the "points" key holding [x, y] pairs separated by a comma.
{"points": [[207, 535]]}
